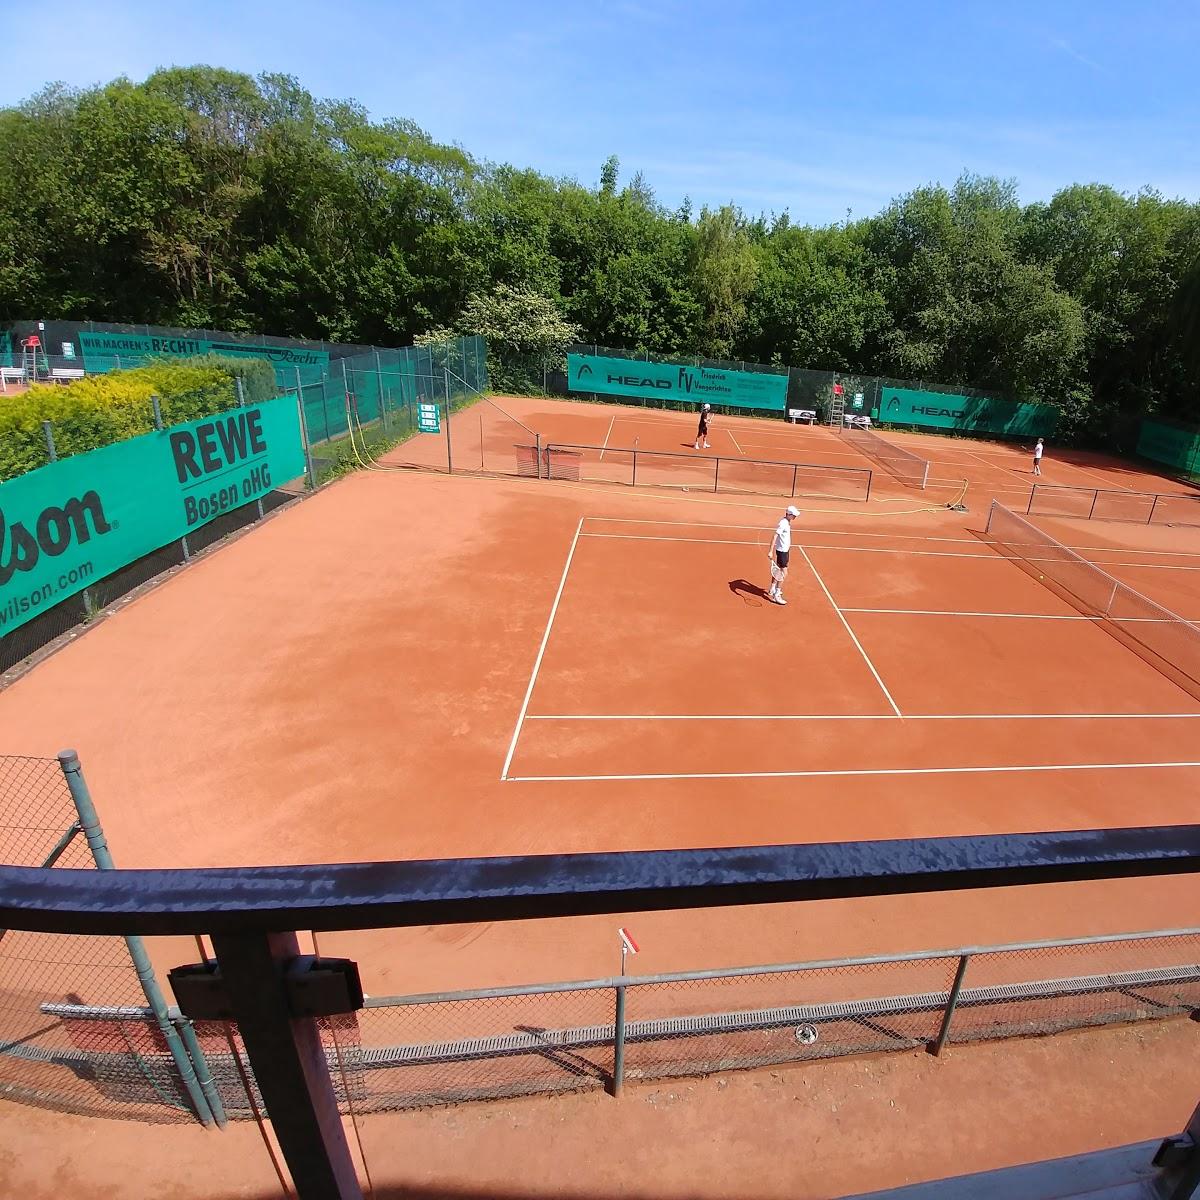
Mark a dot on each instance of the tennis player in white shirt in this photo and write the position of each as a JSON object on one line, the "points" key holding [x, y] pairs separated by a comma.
{"points": [[781, 552]]}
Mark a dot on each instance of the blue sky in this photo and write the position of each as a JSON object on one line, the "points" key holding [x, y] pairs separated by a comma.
{"points": [[815, 108]]}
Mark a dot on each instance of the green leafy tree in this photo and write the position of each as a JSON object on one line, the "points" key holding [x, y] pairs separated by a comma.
{"points": [[724, 270]]}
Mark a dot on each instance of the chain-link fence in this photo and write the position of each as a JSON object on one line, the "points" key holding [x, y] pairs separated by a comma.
{"points": [[77, 1035], [453, 1047], [354, 411], [812, 390], [118, 1066], [1112, 504]]}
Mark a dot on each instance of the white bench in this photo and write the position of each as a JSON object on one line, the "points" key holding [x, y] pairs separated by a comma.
{"points": [[66, 374], [11, 375], [853, 422], [807, 415]]}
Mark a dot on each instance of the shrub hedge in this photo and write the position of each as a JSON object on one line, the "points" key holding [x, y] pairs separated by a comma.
{"points": [[102, 409]]}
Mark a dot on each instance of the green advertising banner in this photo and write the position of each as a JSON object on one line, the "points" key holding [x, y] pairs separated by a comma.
{"points": [[71, 523], [693, 385], [979, 414], [109, 351], [1178, 448]]}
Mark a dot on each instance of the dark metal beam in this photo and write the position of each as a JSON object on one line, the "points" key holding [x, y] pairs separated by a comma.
{"points": [[289, 1064], [364, 895]]}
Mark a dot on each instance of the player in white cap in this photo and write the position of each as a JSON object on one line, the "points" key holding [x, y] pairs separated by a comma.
{"points": [[702, 431], [781, 551]]}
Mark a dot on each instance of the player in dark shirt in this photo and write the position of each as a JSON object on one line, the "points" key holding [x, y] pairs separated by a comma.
{"points": [[702, 431]]}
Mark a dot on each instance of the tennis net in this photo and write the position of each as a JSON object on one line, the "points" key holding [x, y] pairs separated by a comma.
{"points": [[1164, 639], [908, 467]]}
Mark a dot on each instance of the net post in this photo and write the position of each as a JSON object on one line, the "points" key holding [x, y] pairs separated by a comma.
{"points": [[870, 480], [795, 475], [1153, 506], [633, 481], [716, 474], [206, 1103], [537, 445], [951, 1005], [1029, 503], [1095, 497]]}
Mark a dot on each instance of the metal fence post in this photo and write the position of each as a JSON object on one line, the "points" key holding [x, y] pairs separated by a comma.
{"points": [[951, 1005], [156, 406], [449, 460], [618, 1077], [304, 438], [201, 1091], [241, 395], [379, 383]]}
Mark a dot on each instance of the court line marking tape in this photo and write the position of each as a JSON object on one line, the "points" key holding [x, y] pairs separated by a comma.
{"points": [[537, 665], [1000, 770], [607, 436], [984, 556], [850, 631], [855, 533], [1133, 716], [952, 612], [735, 441]]}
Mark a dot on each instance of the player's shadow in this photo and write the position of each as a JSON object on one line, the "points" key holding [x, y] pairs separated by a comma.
{"points": [[746, 591]]}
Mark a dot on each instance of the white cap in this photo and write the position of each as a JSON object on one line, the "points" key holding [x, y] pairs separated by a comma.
{"points": [[792, 511], [706, 407]]}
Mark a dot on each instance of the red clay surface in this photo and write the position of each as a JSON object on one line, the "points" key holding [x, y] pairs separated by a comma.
{"points": [[800, 1133], [347, 682]]}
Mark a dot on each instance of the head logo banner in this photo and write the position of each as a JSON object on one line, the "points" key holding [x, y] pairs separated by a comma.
{"points": [[979, 414], [673, 381], [75, 521]]}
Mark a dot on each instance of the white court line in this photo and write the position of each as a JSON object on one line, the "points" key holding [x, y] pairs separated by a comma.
{"points": [[537, 665], [856, 533], [853, 636], [1001, 770], [981, 557], [734, 440], [607, 436], [950, 612], [1129, 716]]}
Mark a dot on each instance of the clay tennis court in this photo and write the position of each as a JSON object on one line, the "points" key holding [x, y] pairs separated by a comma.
{"points": [[409, 665]]}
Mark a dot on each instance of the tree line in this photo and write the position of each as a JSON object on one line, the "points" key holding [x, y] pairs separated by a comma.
{"points": [[206, 198]]}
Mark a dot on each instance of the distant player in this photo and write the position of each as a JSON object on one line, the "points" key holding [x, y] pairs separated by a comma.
{"points": [[781, 552], [1037, 457], [702, 432]]}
